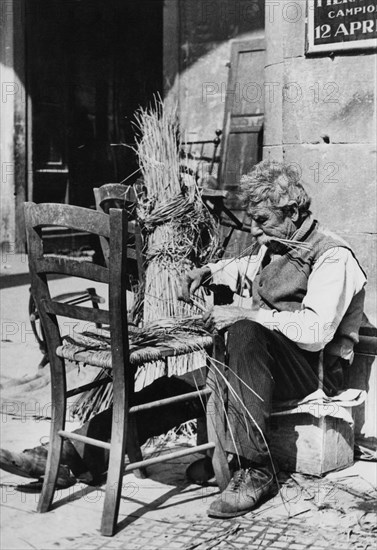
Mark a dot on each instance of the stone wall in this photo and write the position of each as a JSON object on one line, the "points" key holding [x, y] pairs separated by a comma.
{"points": [[13, 105], [322, 117]]}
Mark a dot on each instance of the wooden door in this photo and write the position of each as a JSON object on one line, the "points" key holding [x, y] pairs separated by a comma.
{"points": [[48, 89], [243, 124]]}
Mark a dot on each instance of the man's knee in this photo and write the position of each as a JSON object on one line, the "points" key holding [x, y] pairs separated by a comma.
{"points": [[245, 332]]}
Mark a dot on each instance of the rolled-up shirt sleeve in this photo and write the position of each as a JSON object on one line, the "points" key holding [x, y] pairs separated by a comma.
{"points": [[335, 279], [230, 272]]}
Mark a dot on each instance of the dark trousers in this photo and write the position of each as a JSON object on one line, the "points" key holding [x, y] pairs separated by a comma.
{"points": [[262, 366]]}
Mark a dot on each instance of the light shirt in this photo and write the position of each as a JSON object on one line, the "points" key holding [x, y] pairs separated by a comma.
{"points": [[335, 280]]}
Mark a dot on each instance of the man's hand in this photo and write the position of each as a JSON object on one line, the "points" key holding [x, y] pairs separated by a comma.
{"points": [[192, 281], [221, 317]]}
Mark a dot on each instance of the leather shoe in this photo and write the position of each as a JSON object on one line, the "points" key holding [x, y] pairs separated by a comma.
{"points": [[201, 471], [32, 463], [247, 488]]}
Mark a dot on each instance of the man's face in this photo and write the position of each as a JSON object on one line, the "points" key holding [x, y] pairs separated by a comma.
{"points": [[267, 222]]}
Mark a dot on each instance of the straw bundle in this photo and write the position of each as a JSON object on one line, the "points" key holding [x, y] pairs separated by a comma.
{"points": [[180, 231]]}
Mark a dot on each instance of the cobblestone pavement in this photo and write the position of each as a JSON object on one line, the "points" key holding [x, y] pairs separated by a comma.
{"points": [[249, 532]]}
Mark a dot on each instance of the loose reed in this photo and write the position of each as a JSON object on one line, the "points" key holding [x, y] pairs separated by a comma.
{"points": [[292, 243]]}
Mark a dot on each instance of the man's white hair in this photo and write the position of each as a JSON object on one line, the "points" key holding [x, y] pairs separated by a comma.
{"points": [[275, 184]]}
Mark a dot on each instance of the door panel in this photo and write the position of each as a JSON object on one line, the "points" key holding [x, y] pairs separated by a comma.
{"points": [[242, 142], [51, 176], [243, 121]]}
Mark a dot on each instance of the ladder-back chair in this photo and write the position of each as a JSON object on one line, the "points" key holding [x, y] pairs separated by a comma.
{"points": [[201, 160], [109, 195], [117, 195], [120, 356], [201, 157]]}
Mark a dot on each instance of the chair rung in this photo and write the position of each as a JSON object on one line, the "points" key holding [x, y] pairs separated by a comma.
{"points": [[90, 386], [169, 456], [168, 400], [84, 439], [140, 463]]}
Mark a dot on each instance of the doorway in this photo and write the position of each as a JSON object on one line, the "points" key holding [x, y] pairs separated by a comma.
{"points": [[90, 65]]}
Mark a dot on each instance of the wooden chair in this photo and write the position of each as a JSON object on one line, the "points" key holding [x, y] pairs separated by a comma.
{"points": [[201, 160], [121, 357], [201, 157], [117, 195], [109, 195]]}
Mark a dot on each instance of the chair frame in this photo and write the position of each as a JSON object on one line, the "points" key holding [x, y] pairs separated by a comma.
{"points": [[89, 294], [117, 195], [190, 151], [114, 228]]}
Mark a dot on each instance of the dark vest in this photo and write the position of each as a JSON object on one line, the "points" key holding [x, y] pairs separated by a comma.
{"points": [[283, 282]]}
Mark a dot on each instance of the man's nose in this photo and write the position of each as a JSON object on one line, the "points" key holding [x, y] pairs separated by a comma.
{"points": [[255, 229]]}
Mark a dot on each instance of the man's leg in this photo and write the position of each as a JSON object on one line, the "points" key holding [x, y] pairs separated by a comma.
{"points": [[261, 364]]}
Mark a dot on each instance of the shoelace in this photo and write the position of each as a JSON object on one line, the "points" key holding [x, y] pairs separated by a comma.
{"points": [[238, 478]]}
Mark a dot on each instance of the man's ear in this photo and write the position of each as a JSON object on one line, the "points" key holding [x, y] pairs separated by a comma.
{"points": [[293, 211]]}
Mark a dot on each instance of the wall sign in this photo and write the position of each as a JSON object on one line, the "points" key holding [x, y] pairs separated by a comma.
{"points": [[341, 25]]}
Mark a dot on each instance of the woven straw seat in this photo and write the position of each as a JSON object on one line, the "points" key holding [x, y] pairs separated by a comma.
{"points": [[94, 347]]}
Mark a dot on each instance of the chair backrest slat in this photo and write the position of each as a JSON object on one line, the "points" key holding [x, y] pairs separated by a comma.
{"points": [[76, 312], [115, 275], [78, 218], [72, 267]]}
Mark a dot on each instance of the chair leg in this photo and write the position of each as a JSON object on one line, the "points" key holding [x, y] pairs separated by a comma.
{"points": [[51, 475], [56, 443], [216, 415], [116, 461], [201, 431], [133, 447]]}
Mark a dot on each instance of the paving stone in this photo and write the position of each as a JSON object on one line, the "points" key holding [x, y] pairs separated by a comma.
{"points": [[269, 535], [243, 538], [182, 539], [114, 545]]}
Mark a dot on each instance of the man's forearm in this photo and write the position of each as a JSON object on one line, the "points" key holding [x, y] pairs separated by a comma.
{"points": [[305, 327]]}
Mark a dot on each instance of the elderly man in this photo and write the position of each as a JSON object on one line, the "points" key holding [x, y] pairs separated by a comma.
{"points": [[306, 296]]}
